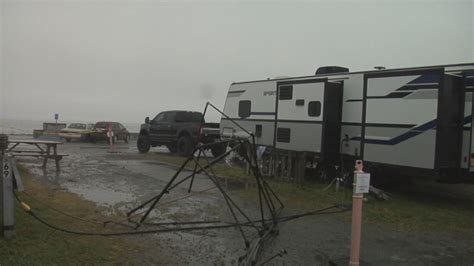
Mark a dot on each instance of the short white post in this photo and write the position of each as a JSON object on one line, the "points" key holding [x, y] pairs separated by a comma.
{"points": [[6, 188], [110, 135]]}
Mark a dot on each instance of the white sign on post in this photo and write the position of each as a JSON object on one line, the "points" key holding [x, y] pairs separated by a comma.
{"points": [[362, 183]]}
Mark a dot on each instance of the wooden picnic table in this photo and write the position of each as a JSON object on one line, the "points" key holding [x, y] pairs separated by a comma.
{"points": [[40, 151]]}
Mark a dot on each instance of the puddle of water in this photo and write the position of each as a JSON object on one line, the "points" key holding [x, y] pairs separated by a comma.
{"points": [[100, 195]]}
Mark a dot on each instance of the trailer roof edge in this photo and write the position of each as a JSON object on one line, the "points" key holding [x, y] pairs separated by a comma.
{"points": [[356, 72]]}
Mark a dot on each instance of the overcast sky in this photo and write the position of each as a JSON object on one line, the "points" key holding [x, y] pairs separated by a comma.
{"points": [[110, 60]]}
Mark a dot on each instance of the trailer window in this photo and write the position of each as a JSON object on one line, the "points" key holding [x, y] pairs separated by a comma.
{"points": [[314, 108], [286, 92], [244, 108]]}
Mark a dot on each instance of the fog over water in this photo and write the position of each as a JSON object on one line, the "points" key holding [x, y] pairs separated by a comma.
{"points": [[124, 60]]}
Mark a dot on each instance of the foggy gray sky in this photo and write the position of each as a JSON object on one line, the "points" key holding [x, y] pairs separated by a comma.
{"points": [[109, 60]]}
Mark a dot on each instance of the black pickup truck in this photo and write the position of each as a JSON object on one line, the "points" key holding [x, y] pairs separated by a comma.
{"points": [[180, 132]]}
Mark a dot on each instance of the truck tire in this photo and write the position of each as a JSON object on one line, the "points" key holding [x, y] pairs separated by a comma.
{"points": [[143, 144], [218, 149], [172, 147], [185, 146]]}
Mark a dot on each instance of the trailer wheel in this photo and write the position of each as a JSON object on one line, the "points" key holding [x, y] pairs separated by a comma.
{"points": [[143, 144], [218, 149], [185, 145]]}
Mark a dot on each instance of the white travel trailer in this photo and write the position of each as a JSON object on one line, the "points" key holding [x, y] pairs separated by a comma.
{"points": [[413, 117]]}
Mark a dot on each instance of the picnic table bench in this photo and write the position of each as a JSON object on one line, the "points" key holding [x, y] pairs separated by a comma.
{"points": [[39, 151]]}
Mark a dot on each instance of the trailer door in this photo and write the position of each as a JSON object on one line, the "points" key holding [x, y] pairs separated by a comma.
{"points": [[300, 106], [469, 117]]}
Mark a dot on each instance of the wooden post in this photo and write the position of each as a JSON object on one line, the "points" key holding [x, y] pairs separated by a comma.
{"points": [[300, 166], [6, 190], [283, 166], [289, 166], [8, 203]]}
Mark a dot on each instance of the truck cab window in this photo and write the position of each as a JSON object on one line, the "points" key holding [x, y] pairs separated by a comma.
{"points": [[159, 117], [314, 108], [244, 109], [169, 117]]}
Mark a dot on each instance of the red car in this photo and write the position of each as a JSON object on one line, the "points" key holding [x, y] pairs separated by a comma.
{"points": [[101, 128]]}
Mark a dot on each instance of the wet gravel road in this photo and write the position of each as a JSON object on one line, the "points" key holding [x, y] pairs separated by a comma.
{"points": [[119, 185]]}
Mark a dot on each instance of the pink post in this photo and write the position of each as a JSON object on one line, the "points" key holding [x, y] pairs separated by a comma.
{"points": [[110, 134], [356, 219]]}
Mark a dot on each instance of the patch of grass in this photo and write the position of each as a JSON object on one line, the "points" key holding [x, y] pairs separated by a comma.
{"points": [[416, 212], [34, 243], [422, 205], [221, 169]]}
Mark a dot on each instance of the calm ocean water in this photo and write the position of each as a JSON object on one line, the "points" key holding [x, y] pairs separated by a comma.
{"points": [[17, 126]]}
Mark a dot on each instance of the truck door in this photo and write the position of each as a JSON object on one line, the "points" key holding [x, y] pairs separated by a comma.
{"points": [[165, 129], [161, 127], [155, 124]]}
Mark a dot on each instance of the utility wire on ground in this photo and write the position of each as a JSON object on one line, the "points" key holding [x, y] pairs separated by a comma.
{"points": [[214, 224]]}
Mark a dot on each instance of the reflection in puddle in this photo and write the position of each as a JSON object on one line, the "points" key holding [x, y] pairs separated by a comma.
{"points": [[100, 195]]}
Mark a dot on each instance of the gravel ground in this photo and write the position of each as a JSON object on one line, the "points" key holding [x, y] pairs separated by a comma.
{"points": [[97, 175]]}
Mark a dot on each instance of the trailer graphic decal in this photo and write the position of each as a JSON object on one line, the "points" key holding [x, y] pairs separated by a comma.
{"points": [[407, 135], [423, 82]]}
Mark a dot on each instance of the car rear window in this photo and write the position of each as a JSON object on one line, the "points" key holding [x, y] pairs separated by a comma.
{"points": [[77, 126], [101, 125]]}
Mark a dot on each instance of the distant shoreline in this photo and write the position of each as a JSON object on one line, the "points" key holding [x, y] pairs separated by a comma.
{"points": [[26, 127]]}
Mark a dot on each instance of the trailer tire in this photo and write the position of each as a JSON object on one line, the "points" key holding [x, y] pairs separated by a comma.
{"points": [[173, 148], [218, 149], [143, 144], [185, 146]]}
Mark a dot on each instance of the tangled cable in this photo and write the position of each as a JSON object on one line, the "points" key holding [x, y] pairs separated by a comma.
{"points": [[209, 224]]}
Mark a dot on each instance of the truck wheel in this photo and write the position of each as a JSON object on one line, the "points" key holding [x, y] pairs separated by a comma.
{"points": [[143, 144], [218, 149], [172, 147], [185, 145]]}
